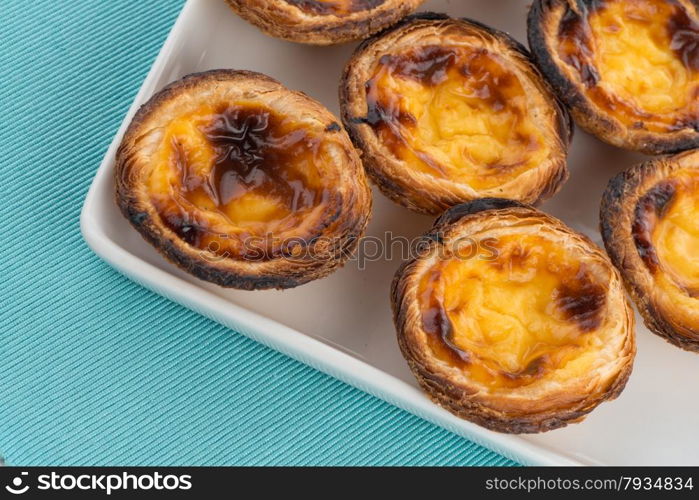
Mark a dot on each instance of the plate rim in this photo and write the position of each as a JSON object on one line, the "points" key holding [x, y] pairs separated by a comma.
{"points": [[290, 342]]}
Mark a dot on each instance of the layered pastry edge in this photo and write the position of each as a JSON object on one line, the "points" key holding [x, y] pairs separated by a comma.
{"points": [[539, 404], [433, 38], [330, 223], [646, 220], [582, 85], [322, 23]]}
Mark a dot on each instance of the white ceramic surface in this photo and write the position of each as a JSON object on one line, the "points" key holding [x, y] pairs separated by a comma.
{"points": [[342, 325]]}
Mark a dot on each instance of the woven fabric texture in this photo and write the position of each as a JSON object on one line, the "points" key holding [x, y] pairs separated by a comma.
{"points": [[95, 369]]}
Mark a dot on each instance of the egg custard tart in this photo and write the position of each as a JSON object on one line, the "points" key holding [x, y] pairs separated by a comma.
{"points": [[323, 22], [650, 225], [628, 69], [242, 182], [512, 320], [448, 110]]}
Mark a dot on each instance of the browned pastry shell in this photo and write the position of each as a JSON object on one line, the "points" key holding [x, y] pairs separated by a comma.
{"points": [[627, 69], [242, 182], [323, 22], [650, 225], [512, 320], [449, 110]]}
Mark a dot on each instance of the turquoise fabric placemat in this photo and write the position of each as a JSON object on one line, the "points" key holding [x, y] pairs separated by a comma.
{"points": [[95, 369]]}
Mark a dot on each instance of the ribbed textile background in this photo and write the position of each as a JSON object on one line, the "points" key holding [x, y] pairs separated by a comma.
{"points": [[95, 369]]}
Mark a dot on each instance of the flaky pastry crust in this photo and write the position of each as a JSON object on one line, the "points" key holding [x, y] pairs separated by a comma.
{"points": [[627, 69], [242, 182], [649, 225], [510, 319], [449, 110], [323, 22]]}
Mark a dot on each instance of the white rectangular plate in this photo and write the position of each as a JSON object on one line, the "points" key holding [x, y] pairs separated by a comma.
{"points": [[342, 325]]}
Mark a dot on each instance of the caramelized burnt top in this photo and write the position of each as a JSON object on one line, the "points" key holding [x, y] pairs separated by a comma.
{"points": [[335, 7], [666, 231], [637, 60], [512, 309], [236, 178], [457, 110]]}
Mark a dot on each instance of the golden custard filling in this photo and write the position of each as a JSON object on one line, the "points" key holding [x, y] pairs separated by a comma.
{"points": [[236, 179], [335, 7], [637, 59], [455, 112], [666, 232], [523, 311]]}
